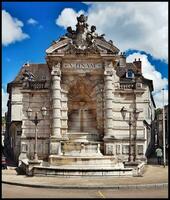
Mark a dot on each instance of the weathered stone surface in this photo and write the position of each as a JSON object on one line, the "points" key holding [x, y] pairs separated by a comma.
{"points": [[87, 88]]}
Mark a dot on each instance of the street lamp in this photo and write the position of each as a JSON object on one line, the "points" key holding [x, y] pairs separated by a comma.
{"points": [[163, 120], [123, 112], [130, 121], [36, 121], [135, 117]]}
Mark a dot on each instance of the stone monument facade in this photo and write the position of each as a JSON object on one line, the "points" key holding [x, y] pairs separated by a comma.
{"points": [[85, 85]]}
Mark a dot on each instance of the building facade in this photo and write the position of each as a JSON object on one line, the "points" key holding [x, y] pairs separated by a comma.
{"points": [[159, 126], [98, 105]]}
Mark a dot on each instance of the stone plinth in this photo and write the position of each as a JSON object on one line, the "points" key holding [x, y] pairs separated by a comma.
{"points": [[94, 162]]}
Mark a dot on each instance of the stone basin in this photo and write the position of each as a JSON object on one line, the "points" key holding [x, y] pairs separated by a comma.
{"points": [[86, 162], [82, 136]]}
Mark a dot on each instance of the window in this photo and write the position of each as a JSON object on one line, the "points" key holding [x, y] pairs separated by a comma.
{"points": [[129, 74], [140, 149], [138, 85], [125, 149], [117, 149], [109, 149]]}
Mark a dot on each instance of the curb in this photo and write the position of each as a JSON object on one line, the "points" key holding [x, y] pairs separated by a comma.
{"points": [[156, 185]]}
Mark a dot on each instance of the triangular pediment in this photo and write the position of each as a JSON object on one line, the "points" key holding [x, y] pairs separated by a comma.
{"points": [[65, 45], [58, 45]]}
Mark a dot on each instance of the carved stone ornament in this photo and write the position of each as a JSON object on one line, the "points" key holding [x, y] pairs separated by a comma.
{"points": [[108, 72], [82, 38], [56, 70], [28, 76], [88, 51]]}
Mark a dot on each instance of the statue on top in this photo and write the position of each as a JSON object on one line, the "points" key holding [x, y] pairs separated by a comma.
{"points": [[82, 38]]}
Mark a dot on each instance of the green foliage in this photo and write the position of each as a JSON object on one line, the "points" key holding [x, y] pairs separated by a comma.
{"points": [[158, 111]]}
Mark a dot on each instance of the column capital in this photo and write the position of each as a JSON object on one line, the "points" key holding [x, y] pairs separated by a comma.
{"points": [[56, 71], [108, 68]]}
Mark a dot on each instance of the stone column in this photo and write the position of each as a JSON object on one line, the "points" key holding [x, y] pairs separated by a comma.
{"points": [[55, 140], [108, 103], [99, 109], [64, 114]]}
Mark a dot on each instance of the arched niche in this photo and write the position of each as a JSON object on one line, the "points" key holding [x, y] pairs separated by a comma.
{"points": [[82, 107]]}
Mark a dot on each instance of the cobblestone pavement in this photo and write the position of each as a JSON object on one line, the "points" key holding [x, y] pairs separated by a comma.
{"points": [[153, 174]]}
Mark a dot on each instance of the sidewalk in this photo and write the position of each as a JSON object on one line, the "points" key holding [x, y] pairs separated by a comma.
{"points": [[154, 176]]}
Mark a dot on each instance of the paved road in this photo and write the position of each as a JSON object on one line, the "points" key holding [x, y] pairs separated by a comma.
{"points": [[12, 191]]}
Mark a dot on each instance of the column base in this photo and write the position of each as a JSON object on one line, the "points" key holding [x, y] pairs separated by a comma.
{"points": [[56, 138], [55, 146]]}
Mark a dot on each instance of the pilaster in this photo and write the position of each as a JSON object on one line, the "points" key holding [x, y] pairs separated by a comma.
{"points": [[55, 139], [108, 73], [56, 101]]}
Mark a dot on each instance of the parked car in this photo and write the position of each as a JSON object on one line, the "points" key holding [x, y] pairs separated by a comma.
{"points": [[4, 163]]}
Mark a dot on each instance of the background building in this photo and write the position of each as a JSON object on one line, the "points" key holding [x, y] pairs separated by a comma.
{"points": [[3, 130], [159, 126]]}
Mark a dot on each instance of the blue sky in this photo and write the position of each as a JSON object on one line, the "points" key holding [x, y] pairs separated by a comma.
{"points": [[41, 36], [49, 20]]}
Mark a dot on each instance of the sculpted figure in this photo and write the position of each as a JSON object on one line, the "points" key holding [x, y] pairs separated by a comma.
{"points": [[93, 29], [27, 75], [82, 19], [71, 33], [82, 26], [82, 38]]}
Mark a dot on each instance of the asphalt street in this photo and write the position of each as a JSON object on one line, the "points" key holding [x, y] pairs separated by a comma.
{"points": [[12, 191]]}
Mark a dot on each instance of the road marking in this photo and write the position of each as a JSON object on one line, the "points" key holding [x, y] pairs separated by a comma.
{"points": [[101, 194]]}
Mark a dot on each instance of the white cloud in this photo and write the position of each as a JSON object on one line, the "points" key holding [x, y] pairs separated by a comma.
{"points": [[131, 25], [158, 97], [32, 21], [11, 29], [4, 102], [68, 17], [149, 71]]}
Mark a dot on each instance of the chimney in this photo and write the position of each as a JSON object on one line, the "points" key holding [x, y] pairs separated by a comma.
{"points": [[138, 65], [122, 60]]}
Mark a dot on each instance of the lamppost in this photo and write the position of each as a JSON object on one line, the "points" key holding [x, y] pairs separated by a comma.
{"points": [[163, 120], [132, 122], [135, 117], [36, 121]]}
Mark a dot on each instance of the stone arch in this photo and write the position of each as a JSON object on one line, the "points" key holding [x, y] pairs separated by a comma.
{"points": [[81, 107]]}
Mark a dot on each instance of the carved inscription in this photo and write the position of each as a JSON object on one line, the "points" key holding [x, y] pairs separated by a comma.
{"points": [[83, 66]]}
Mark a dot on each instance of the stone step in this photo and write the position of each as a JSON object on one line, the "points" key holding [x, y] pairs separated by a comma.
{"points": [[93, 160]]}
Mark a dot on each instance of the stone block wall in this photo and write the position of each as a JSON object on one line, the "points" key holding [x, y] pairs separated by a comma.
{"points": [[36, 100]]}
